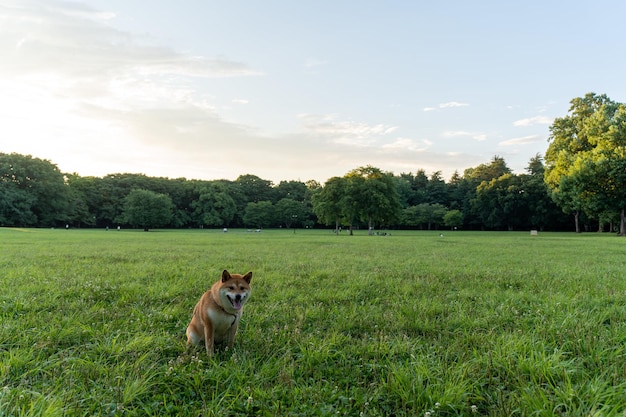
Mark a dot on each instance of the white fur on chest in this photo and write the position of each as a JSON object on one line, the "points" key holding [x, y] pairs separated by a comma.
{"points": [[222, 322]]}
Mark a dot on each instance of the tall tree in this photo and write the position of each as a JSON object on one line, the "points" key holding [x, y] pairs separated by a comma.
{"points": [[289, 212], [472, 178], [33, 192], [608, 163], [453, 219], [78, 210], [15, 206], [502, 202], [147, 209], [424, 214], [373, 196], [259, 214], [436, 189], [214, 207], [254, 189], [486, 172], [328, 202], [543, 211], [294, 190], [586, 158]]}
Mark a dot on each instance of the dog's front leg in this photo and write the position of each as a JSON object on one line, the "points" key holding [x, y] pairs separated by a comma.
{"points": [[209, 337], [232, 332]]}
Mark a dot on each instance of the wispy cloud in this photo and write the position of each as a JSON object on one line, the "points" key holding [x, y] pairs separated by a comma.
{"points": [[452, 104], [479, 136], [346, 132], [407, 144], [448, 105], [74, 41], [525, 140], [537, 120], [100, 88]]}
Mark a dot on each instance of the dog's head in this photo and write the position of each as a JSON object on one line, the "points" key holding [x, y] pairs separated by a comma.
{"points": [[234, 290]]}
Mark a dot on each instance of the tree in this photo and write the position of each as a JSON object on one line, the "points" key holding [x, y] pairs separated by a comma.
{"points": [[147, 209], [413, 188], [294, 190], [542, 210], [412, 217], [328, 202], [259, 214], [486, 172], [502, 202], [453, 219], [424, 214], [586, 158], [608, 164], [372, 195], [183, 193], [33, 192], [289, 212], [78, 210], [214, 206], [433, 213], [254, 188], [15, 206], [436, 189]]}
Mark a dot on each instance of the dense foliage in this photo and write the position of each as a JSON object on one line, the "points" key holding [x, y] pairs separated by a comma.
{"points": [[35, 193], [586, 159]]}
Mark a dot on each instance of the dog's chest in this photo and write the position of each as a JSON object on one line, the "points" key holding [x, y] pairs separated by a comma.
{"points": [[222, 322]]}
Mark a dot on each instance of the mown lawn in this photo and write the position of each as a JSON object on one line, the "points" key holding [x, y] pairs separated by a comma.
{"points": [[412, 324]]}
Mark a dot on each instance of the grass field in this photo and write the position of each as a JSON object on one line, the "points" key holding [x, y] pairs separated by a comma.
{"points": [[413, 324]]}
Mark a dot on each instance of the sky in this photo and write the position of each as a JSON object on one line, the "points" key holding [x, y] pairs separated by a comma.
{"points": [[297, 90]]}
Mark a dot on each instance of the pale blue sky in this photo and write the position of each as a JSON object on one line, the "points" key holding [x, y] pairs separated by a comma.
{"points": [[297, 90]]}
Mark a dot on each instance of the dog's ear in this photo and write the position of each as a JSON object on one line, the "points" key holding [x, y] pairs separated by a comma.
{"points": [[248, 277], [225, 275]]}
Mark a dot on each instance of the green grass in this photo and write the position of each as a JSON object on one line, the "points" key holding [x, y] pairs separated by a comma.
{"points": [[413, 324]]}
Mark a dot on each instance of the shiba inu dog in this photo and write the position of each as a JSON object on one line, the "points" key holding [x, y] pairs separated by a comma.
{"points": [[217, 314]]}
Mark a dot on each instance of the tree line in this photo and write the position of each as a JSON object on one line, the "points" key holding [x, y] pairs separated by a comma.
{"points": [[581, 186], [35, 193]]}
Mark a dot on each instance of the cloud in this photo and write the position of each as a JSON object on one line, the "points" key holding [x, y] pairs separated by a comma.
{"points": [[346, 132], [74, 41], [479, 136], [520, 141], [448, 105], [406, 144], [452, 104], [116, 99], [537, 120]]}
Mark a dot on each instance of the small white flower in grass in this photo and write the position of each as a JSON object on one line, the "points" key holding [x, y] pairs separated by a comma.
{"points": [[427, 414], [474, 409], [437, 405]]}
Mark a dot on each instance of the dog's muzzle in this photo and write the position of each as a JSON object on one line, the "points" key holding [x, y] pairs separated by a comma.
{"points": [[237, 301]]}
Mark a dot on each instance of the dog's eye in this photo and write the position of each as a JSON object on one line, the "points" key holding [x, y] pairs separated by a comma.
{"points": [[231, 288]]}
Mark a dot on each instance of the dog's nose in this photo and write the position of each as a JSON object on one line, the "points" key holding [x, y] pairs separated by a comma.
{"points": [[238, 297]]}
